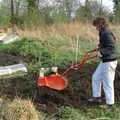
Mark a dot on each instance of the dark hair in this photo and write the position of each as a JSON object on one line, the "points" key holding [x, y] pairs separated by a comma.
{"points": [[102, 21]]}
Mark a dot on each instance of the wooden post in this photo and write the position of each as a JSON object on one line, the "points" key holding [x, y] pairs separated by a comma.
{"points": [[12, 16]]}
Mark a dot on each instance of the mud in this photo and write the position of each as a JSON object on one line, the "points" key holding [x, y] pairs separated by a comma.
{"points": [[8, 59], [77, 93]]}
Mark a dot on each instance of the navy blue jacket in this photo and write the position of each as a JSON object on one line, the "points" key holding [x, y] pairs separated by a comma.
{"points": [[107, 45]]}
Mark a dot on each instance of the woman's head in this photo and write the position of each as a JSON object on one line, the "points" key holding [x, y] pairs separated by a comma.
{"points": [[100, 22]]}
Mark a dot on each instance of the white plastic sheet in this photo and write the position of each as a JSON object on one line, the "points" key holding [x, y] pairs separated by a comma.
{"points": [[2, 36], [9, 38], [7, 70]]}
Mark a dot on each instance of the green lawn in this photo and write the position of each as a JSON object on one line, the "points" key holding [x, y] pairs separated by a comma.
{"points": [[91, 113]]}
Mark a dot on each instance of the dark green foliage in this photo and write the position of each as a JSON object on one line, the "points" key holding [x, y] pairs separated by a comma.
{"points": [[116, 10], [4, 16], [45, 53]]}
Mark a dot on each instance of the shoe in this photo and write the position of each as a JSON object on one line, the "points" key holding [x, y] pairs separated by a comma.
{"points": [[105, 106], [95, 100]]}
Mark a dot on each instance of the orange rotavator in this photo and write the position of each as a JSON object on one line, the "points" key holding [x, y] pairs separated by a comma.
{"points": [[59, 81]]}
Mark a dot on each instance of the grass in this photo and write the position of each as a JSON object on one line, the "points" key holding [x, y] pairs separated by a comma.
{"points": [[58, 30], [19, 109], [91, 113], [48, 52], [51, 50]]}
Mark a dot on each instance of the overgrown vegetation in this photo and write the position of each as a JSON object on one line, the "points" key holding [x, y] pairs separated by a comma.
{"points": [[45, 53], [32, 13], [51, 29], [19, 109], [90, 113]]}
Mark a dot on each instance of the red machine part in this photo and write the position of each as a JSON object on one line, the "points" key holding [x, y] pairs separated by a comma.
{"points": [[56, 82], [59, 82]]}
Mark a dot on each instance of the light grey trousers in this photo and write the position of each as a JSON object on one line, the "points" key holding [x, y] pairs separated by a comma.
{"points": [[104, 76]]}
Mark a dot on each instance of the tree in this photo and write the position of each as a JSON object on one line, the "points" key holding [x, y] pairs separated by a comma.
{"points": [[116, 2], [32, 7], [117, 10], [100, 10], [91, 9], [4, 15], [12, 13], [65, 9]]}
